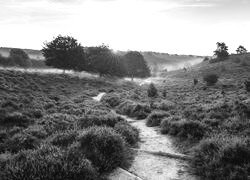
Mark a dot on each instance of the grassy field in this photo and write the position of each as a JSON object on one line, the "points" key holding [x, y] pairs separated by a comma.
{"points": [[52, 121], [211, 123], [51, 128]]}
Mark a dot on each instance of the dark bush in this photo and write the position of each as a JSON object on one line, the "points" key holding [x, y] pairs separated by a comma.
{"points": [[247, 85], [64, 139], [217, 158], [210, 79], [112, 100], [130, 133], [164, 105], [133, 109], [104, 147], [97, 120], [37, 131], [152, 91], [48, 163], [15, 119], [20, 141], [183, 128], [155, 118]]}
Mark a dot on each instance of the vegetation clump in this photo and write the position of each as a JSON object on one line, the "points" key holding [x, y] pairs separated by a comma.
{"points": [[155, 118], [152, 91], [210, 79], [104, 147], [130, 133], [112, 100]]}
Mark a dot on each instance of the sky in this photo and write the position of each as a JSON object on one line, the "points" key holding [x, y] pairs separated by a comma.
{"points": [[170, 26]]}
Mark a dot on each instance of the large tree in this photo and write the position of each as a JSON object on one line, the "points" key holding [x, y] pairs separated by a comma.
{"points": [[64, 52], [103, 61], [136, 66], [222, 51], [241, 50], [20, 58]]}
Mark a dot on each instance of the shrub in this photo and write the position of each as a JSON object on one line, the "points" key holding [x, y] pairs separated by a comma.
{"points": [[164, 105], [57, 122], [20, 141], [222, 158], [247, 85], [133, 109], [183, 129], [95, 120], [130, 133], [112, 100], [155, 118], [48, 163], [211, 79], [37, 131], [104, 147], [15, 119], [64, 139], [152, 91]]}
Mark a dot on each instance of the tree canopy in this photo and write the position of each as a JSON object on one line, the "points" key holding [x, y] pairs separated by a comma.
{"points": [[19, 57], [241, 50], [64, 52], [222, 51], [135, 64]]}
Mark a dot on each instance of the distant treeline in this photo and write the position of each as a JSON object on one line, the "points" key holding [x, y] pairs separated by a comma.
{"points": [[19, 58], [64, 52]]}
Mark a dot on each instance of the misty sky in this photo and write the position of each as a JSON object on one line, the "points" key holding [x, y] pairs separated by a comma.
{"points": [[172, 26]]}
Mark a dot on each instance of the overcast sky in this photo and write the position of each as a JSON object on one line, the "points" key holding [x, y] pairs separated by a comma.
{"points": [[172, 26]]}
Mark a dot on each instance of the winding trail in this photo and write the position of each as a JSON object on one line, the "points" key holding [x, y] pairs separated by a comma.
{"points": [[150, 166]]}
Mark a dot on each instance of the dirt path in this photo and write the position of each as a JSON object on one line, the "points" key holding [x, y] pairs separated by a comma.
{"points": [[153, 167]]}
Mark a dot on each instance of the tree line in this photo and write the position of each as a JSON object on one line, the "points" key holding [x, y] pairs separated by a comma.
{"points": [[64, 52]]}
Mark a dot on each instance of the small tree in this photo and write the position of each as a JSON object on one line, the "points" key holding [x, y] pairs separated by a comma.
{"points": [[20, 58], [211, 79], [152, 91], [222, 51], [136, 66], [64, 52], [241, 50]]}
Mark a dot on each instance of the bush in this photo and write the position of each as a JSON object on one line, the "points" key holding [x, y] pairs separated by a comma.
{"points": [[20, 141], [130, 133], [57, 122], [104, 147], [155, 118], [64, 139], [109, 120], [183, 129], [164, 105], [247, 85], [211, 79], [15, 119], [112, 100], [220, 158], [133, 109], [48, 163], [152, 91]]}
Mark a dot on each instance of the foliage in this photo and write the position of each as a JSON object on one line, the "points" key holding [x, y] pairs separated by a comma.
{"points": [[64, 139], [104, 147], [48, 163], [15, 119], [130, 133], [247, 85], [20, 58], [133, 109], [183, 128], [210, 79], [222, 158], [155, 118], [64, 52], [101, 60], [241, 50], [112, 100], [136, 66], [222, 51], [152, 91], [109, 120]]}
